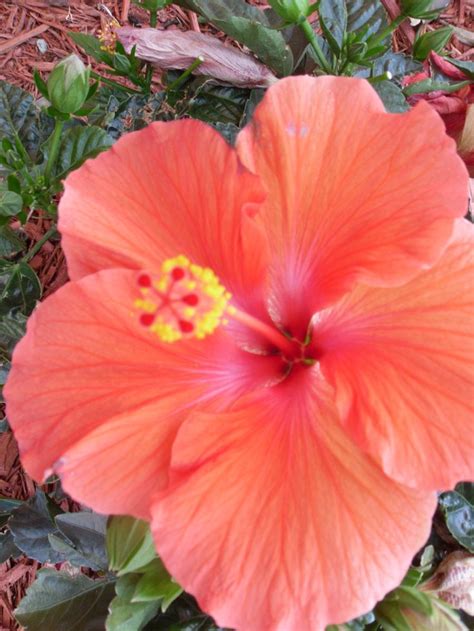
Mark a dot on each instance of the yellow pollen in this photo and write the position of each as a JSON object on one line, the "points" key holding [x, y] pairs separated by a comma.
{"points": [[185, 300]]}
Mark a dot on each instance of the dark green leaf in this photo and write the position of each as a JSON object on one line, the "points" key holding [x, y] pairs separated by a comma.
{"points": [[57, 601], [10, 203], [21, 120], [333, 20], [77, 145], [12, 329], [397, 64], [30, 525], [7, 505], [459, 513], [20, 288], [228, 130], [466, 489], [249, 26], [7, 547], [215, 104], [156, 584], [129, 544], [86, 532], [392, 96], [126, 615], [366, 16], [10, 243]]}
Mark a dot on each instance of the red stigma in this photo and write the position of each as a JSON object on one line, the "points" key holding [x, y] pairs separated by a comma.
{"points": [[191, 299], [144, 280], [186, 327], [147, 319], [177, 273]]}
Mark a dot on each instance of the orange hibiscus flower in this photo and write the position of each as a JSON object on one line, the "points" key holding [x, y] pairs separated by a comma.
{"points": [[288, 461]]}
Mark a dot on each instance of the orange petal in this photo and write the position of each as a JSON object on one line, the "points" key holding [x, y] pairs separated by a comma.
{"points": [[172, 188], [275, 521], [86, 361], [354, 193], [401, 361]]}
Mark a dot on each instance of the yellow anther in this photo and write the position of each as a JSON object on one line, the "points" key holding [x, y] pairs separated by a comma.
{"points": [[186, 300]]}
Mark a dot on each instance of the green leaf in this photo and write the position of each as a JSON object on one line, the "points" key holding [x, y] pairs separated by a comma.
{"points": [[10, 204], [367, 17], [249, 26], [430, 85], [129, 544], [86, 532], [91, 46], [333, 21], [20, 288], [77, 145], [459, 514], [7, 506], [412, 598], [10, 243], [126, 615], [431, 41], [157, 584], [57, 601], [30, 526], [392, 96]]}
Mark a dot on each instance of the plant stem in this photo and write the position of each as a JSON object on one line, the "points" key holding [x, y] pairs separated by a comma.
{"points": [[388, 30], [54, 149], [39, 244], [313, 40], [149, 68], [197, 62], [113, 84]]}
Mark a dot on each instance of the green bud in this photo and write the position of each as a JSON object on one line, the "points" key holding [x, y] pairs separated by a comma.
{"points": [[290, 10], [68, 85]]}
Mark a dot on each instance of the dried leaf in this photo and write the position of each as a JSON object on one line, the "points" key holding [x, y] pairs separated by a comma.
{"points": [[175, 49], [453, 581]]}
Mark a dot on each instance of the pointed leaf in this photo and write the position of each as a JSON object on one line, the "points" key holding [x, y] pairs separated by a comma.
{"points": [[57, 601]]}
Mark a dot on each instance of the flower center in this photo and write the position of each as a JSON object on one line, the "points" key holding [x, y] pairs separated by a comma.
{"points": [[187, 300]]}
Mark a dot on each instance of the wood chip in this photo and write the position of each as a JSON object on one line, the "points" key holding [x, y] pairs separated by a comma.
{"points": [[23, 37]]}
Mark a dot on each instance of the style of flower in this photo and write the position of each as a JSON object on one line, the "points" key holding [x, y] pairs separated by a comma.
{"points": [[265, 351]]}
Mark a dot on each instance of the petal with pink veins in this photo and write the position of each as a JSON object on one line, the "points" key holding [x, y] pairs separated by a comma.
{"points": [[401, 361], [275, 521]]}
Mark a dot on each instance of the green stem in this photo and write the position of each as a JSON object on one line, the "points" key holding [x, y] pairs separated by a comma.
{"points": [[196, 63], [39, 244], [149, 68], [113, 84], [312, 39], [385, 76], [54, 149], [388, 30]]}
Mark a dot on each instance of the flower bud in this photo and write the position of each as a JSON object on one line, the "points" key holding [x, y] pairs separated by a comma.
{"points": [[68, 85], [290, 10]]}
